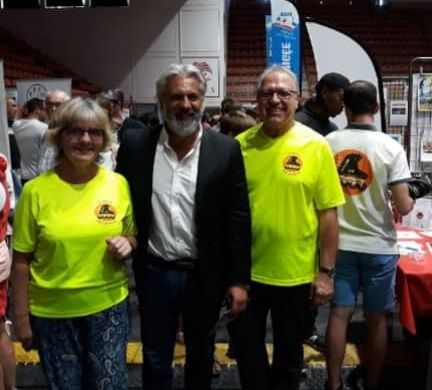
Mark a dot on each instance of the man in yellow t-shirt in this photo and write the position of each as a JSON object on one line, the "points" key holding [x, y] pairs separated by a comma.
{"points": [[294, 190]]}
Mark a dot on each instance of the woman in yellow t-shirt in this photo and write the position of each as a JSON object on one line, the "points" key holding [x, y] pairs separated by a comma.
{"points": [[73, 229]]}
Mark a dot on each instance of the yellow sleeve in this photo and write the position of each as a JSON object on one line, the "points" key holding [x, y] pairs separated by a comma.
{"points": [[328, 192], [24, 234], [129, 227]]}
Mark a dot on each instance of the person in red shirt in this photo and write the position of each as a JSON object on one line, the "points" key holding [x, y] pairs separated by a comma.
{"points": [[7, 354]]}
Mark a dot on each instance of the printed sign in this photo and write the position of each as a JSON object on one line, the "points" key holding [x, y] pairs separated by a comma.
{"points": [[210, 70], [398, 113], [38, 88], [426, 148], [425, 92], [283, 36]]}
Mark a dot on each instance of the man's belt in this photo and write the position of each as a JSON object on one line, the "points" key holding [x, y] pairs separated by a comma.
{"points": [[181, 264], [185, 263]]}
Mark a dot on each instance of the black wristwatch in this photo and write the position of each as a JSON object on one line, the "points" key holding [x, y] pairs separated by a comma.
{"points": [[329, 271]]}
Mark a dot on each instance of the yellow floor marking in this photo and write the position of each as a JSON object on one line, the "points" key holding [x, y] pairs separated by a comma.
{"points": [[134, 355]]}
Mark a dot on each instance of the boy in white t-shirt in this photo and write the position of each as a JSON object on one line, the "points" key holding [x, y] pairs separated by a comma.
{"points": [[369, 163]]}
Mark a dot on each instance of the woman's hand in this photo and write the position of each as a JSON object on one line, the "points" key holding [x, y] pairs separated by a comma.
{"points": [[20, 277], [120, 246], [23, 331]]}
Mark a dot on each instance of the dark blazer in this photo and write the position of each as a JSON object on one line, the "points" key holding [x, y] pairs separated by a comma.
{"points": [[128, 123], [222, 212]]}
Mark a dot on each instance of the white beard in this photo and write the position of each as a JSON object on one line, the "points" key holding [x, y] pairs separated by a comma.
{"points": [[182, 128]]}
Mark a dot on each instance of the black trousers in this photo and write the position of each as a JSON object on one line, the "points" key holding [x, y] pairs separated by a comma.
{"points": [[310, 328], [163, 293], [287, 307]]}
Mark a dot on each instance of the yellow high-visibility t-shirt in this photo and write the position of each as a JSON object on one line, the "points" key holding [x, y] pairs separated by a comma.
{"points": [[290, 178], [65, 226]]}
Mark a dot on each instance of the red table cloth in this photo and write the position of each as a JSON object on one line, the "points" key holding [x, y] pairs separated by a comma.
{"points": [[414, 279]]}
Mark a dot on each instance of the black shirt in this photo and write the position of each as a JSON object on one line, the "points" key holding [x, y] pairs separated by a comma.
{"points": [[319, 123]]}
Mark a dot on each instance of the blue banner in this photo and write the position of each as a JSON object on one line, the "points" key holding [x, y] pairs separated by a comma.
{"points": [[283, 37]]}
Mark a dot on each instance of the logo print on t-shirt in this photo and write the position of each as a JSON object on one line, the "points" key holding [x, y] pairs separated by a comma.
{"points": [[292, 164], [355, 171], [105, 212]]}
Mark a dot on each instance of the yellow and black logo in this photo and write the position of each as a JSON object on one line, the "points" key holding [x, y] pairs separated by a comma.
{"points": [[292, 164], [105, 212]]}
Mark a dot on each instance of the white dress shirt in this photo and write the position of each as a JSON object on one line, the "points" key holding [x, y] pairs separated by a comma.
{"points": [[173, 231]]}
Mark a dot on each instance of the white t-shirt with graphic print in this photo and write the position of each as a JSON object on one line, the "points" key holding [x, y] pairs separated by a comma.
{"points": [[368, 162]]}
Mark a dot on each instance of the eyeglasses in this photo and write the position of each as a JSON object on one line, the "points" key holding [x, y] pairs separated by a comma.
{"points": [[52, 104], [282, 94], [77, 133]]}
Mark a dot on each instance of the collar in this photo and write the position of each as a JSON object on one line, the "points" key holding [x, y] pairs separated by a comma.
{"points": [[163, 137], [361, 126]]}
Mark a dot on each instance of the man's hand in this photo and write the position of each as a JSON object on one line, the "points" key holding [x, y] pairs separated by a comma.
{"points": [[237, 297], [120, 247], [322, 289], [24, 332]]}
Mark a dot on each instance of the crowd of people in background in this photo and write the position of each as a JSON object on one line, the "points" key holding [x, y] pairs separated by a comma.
{"points": [[251, 211]]}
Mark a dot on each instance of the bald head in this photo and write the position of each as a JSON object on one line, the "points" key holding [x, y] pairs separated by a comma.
{"points": [[53, 100]]}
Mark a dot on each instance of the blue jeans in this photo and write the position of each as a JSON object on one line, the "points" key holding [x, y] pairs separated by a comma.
{"points": [[163, 294], [85, 352], [374, 274]]}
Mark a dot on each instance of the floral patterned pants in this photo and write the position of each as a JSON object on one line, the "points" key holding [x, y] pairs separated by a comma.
{"points": [[86, 352]]}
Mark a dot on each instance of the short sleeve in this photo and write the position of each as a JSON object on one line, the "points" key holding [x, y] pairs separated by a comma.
{"points": [[399, 169], [328, 192], [24, 228], [129, 227]]}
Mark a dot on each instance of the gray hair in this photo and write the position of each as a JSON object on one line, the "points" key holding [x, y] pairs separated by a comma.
{"points": [[79, 109], [185, 70], [64, 95], [275, 68]]}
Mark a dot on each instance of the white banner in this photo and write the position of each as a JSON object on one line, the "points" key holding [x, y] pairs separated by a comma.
{"points": [[4, 139], [12, 93], [38, 88], [335, 51]]}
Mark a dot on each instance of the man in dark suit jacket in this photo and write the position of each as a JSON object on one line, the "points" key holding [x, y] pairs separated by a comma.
{"points": [[191, 207]]}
